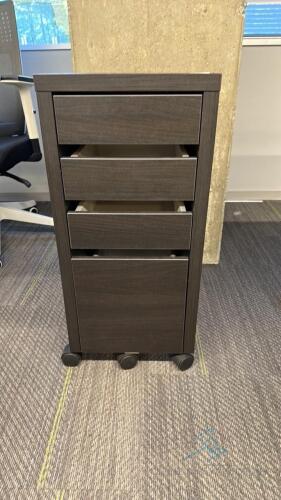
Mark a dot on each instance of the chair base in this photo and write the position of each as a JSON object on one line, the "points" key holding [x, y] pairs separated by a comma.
{"points": [[18, 205]]}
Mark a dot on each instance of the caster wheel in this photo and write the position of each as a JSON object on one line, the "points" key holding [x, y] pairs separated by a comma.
{"points": [[34, 210], [127, 360], [70, 358], [183, 361]]}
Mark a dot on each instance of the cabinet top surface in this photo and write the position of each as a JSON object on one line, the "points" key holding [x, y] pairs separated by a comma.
{"points": [[137, 82]]}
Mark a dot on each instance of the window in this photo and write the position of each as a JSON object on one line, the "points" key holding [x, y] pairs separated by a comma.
{"points": [[262, 20], [42, 23]]}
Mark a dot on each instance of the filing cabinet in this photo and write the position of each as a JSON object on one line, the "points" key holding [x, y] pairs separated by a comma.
{"points": [[129, 162]]}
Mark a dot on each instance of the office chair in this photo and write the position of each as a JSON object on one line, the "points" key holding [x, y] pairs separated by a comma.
{"points": [[19, 138]]}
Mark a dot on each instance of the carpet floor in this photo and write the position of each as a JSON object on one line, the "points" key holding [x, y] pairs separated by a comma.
{"points": [[98, 432]]}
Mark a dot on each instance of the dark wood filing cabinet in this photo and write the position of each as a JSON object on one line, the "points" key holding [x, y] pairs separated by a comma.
{"points": [[129, 162]]}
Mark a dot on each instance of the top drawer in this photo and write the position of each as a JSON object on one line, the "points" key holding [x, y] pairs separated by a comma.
{"points": [[128, 119]]}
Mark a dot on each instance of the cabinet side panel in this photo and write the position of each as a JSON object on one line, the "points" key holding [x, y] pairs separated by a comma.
{"points": [[202, 187], [47, 120]]}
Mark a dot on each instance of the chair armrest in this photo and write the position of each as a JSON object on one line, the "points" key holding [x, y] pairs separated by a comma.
{"points": [[24, 84], [20, 78]]}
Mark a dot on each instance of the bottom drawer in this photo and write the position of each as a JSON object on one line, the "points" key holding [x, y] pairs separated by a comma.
{"points": [[130, 304]]}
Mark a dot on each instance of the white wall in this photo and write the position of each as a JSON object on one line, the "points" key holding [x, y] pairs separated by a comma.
{"points": [[255, 166], [42, 61]]}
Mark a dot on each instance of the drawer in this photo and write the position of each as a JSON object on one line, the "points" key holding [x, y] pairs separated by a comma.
{"points": [[130, 304], [128, 119], [130, 226], [129, 173]]}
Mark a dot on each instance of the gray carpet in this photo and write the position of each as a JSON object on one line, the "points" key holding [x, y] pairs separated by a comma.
{"points": [[97, 432]]}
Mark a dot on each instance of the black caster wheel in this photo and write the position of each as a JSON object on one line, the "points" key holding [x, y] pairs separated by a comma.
{"points": [[183, 361], [70, 358], [127, 360]]}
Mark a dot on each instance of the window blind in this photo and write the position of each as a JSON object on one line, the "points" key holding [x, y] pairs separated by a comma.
{"points": [[262, 19]]}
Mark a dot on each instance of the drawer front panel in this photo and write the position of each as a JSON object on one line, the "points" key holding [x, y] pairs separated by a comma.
{"points": [[130, 304], [129, 231], [128, 119], [129, 179]]}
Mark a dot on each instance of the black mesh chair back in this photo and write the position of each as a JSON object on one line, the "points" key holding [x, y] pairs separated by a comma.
{"points": [[11, 113]]}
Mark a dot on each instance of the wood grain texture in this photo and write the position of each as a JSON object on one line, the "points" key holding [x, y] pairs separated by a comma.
{"points": [[128, 179], [130, 304], [47, 119], [128, 82], [128, 119], [170, 231], [204, 168]]}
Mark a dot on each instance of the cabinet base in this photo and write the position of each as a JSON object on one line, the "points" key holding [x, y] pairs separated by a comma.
{"points": [[127, 360]]}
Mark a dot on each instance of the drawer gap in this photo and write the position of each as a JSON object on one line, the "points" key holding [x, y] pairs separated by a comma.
{"points": [[89, 206], [128, 151], [188, 205], [130, 254]]}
